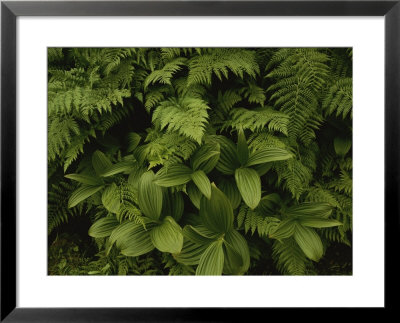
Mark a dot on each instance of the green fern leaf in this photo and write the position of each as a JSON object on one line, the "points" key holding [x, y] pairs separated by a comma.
{"points": [[289, 258], [165, 74], [187, 116], [339, 98], [219, 61]]}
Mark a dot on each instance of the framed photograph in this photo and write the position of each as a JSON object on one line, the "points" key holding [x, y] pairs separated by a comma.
{"points": [[162, 159]]}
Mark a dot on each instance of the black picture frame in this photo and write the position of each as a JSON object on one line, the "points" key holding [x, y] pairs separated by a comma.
{"points": [[10, 10]]}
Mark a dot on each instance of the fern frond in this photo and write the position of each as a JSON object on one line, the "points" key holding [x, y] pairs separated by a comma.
{"points": [[63, 79], [227, 99], [104, 122], [129, 209], [263, 56], [144, 265], [155, 96], [300, 75], [54, 54], [111, 58], [165, 74], [335, 235], [183, 89], [175, 268], [289, 258], [257, 119], [75, 148], [339, 98], [346, 164], [265, 139], [253, 93], [186, 115], [294, 97], [309, 64], [254, 221], [345, 214], [308, 155], [83, 102], [123, 75], [307, 135], [341, 62], [168, 54], [167, 149], [344, 183], [320, 194], [222, 105], [58, 211], [60, 133], [219, 62], [295, 176]]}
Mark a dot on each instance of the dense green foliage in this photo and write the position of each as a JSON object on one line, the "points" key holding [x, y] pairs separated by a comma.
{"points": [[203, 161]]}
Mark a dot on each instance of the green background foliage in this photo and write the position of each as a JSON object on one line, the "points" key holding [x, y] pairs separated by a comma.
{"points": [[200, 161]]}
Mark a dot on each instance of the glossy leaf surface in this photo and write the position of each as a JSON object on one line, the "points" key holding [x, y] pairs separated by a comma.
{"points": [[167, 237], [202, 182], [212, 260], [216, 212], [102, 228], [150, 196], [249, 185]]}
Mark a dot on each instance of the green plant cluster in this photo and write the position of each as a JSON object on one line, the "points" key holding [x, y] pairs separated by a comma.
{"points": [[205, 159]]}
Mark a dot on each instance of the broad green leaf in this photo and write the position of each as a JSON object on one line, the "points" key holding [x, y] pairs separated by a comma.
{"points": [[212, 260], [191, 253], [267, 155], [111, 198], [140, 153], [167, 237], [262, 169], [198, 234], [205, 232], [273, 198], [103, 227], [342, 145], [268, 203], [202, 182], [216, 212], [121, 167], [192, 219], [124, 229], [239, 245], [242, 148], [100, 162], [133, 141], [309, 241], [85, 179], [284, 230], [129, 209], [173, 204], [314, 222], [228, 160], [229, 187], [315, 209], [135, 175], [82, 193], [206, 158], [194, 194], [232, 260], [132, 239], [150, 196], [173, 175], [249, 185]]}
